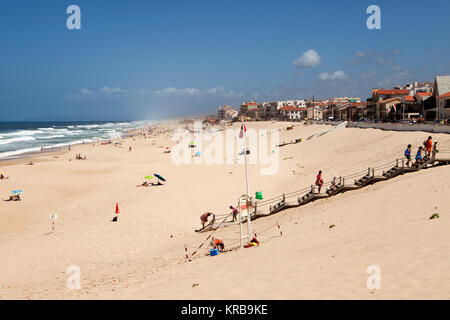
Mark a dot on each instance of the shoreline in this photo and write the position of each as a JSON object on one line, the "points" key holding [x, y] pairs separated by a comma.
{"points": [[63, 149]]}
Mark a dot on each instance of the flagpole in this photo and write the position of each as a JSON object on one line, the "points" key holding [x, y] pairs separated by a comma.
{"points": [[249, 228]]}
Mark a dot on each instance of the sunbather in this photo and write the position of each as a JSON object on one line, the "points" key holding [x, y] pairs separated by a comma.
{"points": [[15, 197]]}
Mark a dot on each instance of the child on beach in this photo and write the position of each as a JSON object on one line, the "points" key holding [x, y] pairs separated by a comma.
{"points": [[333, 181], [408, 154], [218, 244], [319, 180], [419, 158]]}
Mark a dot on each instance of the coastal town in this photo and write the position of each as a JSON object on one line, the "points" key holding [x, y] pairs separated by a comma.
{"points": [[416, 102]]}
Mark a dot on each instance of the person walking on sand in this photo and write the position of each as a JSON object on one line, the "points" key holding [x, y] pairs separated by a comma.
{"points": [[408, 155], [234, 212], [319, 180]]}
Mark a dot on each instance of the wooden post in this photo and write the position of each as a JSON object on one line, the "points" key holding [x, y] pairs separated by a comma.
{"points": [[368, 171], [373, 172], [396, 162]]}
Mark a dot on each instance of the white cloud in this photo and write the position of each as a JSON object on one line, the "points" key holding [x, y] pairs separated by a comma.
{"points": [[309, 58], [373, 56], [172, 91], [337, 75], [82, 93], [220, 91], [116, 90], [86, 92], [175, 91]]}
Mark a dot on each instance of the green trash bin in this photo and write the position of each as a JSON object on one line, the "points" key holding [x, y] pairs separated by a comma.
{"points": [[258, 195]]}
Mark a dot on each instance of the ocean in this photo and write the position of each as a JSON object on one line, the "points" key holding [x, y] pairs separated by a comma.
{"points": [[18, 138]]}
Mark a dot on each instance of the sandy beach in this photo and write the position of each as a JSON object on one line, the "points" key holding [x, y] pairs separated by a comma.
{"points": [[142, 255]]}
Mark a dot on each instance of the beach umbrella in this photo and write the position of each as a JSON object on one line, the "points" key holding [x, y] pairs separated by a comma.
{"points": [[159, 177], [17, 192]]}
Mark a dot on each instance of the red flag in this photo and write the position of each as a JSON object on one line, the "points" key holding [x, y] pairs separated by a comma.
{"points": [[243, 129]]}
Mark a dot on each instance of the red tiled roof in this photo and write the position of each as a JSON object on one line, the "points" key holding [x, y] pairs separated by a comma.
{"points": [[445, 95], [383, 91], [410, 98], [252, 103], [421, 94]]}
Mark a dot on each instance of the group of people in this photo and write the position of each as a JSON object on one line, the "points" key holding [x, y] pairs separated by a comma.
{"points": [[420, 158], [423, 153], [79, 157], [2, 177]]}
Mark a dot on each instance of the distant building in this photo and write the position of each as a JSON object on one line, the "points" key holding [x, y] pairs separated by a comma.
{"points": [[249, 109], [416, 87], [346, 99], [441, 90], [226, 113], [314, 113], [292, 113], [382, 103]]}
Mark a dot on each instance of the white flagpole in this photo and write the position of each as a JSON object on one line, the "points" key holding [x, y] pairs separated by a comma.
{"points": [[249, 228]]}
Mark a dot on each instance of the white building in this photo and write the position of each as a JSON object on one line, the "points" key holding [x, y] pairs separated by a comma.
{"points": [[226, 113], [292, 113]]}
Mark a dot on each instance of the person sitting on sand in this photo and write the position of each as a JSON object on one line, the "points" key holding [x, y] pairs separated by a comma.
{"points": [[319, 180], [2, 177], [30, 163], [419, 159], [204, 218], [408, 154], [234, 212], [15, 197], [217, 244]]}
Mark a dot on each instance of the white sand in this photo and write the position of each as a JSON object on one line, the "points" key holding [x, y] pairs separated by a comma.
{"points": [[385, 224]]}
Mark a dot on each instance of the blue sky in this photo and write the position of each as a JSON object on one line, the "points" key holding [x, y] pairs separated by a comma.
{"points": [[141, 59]]}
